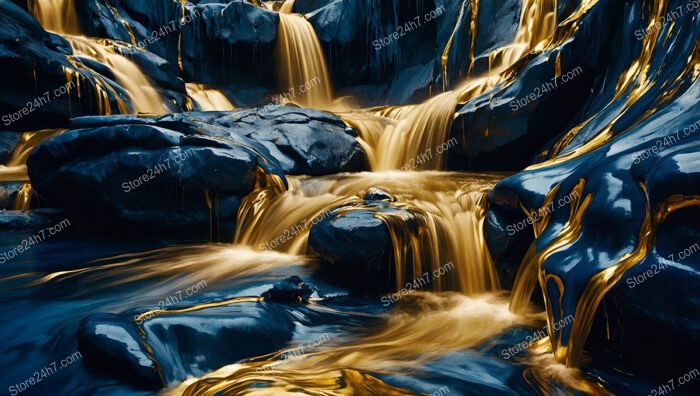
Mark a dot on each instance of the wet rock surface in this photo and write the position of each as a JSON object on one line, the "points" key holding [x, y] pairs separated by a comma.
{"points": [[200, 164]]}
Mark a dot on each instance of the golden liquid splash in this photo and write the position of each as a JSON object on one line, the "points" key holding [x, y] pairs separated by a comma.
{"points": [[301, 65], [426, 327], [447, 225], [58, 16], [544, 370], [208, 98]]}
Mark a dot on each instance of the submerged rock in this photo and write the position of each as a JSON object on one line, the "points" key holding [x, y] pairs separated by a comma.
{"points": [[292, 289], [8, 195], [377, 194]]}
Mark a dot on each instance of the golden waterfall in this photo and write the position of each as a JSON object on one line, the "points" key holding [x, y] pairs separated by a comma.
{"points": [[55, 15], [448, 209], [445, 222], [143, 95], [16, 169], [396, 137], [443, 207], [300, 61], [59, 16], [209, 98]]}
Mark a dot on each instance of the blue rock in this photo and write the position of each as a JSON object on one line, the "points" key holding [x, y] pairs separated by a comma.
{"points": [[356, 248], [145, 174], [113, 345], [377, 194], [638, 178], [167, 347]]}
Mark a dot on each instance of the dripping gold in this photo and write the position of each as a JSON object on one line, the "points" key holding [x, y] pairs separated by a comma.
{"points": [[43, 373], [545, 88], [417, 284], [169, 28], [154, 172], [542, 213], [170, 301], [671, 16], [39, 237], [37, 103], [408, 27]]}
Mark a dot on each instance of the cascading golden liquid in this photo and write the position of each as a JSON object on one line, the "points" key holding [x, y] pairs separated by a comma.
{"points": [[208, 98], [450, 207], [411, 134], [447, 209], [58, 16], [145, 97], [16, 168], [301, 67]]}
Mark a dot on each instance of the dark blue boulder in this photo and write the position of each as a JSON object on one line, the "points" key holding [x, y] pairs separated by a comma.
{"points": [[192, 344], [356, 248], [195, 178], [16, 220], [113, 345]]}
